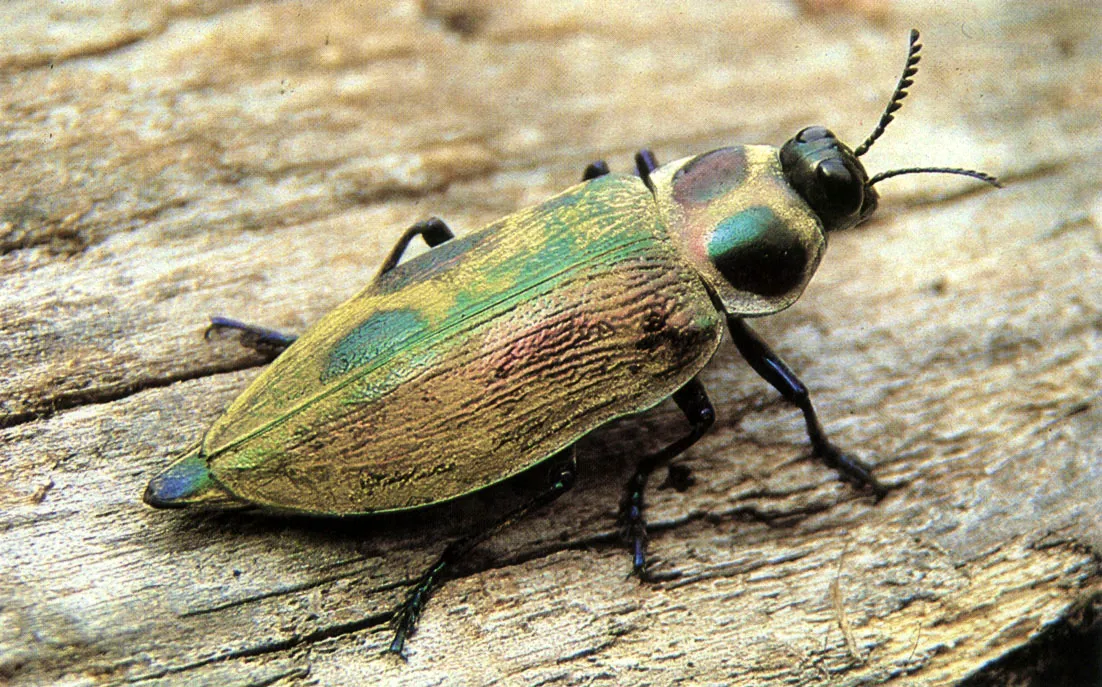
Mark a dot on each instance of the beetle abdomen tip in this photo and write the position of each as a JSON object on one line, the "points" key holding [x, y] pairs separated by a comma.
{"points": [[185, 482]]}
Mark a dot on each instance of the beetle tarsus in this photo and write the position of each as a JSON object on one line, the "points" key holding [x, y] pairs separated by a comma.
{"points": [[774, 370], [850, 467], [405, 618], [433, 230], [268, 342], [693, 401]]}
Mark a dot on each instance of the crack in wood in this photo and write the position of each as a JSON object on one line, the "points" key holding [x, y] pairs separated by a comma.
{"points": [[50, 406]]}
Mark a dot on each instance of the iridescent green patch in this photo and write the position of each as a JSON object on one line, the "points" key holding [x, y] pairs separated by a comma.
{"points": [[741, 231], [756, 251], [381, 334]]}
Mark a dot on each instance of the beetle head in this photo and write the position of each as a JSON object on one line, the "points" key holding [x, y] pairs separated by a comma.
{"points": [[752, 221], [829, 177]]}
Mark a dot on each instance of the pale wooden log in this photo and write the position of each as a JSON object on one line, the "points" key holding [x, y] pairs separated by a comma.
{"points": [[258, 160]]}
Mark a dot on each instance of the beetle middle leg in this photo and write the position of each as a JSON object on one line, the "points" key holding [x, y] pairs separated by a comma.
{"points": [[405, 618], [775, 371], [693, 401], [645, 163]]}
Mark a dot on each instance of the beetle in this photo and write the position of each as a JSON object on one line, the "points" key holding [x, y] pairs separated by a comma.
{"points": [[499, 350]]}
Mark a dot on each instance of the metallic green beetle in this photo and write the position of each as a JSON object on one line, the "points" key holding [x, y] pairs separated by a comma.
{"points": [[499, 350]]}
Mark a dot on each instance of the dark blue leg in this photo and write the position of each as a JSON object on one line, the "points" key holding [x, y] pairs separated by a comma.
{"points": [[774, 370], [692, 399], [405, 618], [434, 232], [271, 343], [594, 170], [268, 342], [645, 163]]}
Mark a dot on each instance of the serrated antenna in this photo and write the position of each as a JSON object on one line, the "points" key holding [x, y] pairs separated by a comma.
{"points": [[905, 82], [982, 176]]}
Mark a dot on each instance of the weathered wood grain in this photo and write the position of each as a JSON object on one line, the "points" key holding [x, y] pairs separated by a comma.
{"points": [[162, 164]]}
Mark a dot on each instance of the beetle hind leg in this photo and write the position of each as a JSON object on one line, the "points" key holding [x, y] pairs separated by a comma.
{"points": [[267, 342], [693, 401], [405, 618], [433, 230], [775, 371], [271, 343]]}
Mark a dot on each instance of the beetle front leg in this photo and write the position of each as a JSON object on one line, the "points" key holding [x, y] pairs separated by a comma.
{"points": [[693, 401], [405, 618], [267, 342], [645, 163], [434, 232], [774, 370]]}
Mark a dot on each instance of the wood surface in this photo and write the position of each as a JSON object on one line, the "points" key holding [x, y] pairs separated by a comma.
{"points": [[162, 163]]}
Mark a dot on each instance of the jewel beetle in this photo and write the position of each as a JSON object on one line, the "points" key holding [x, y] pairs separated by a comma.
{"points": [[499, 350]]}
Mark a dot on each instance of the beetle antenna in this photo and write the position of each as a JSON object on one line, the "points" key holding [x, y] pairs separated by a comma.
{"points": [[905, 81], [987, 178], [896, 102]]}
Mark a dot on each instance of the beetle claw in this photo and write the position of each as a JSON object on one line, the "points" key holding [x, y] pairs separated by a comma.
{"points": [[851, 468], [398, 645], [267, 342]]}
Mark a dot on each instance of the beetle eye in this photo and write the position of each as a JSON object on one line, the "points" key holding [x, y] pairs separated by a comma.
{"points": [[813, 133], [841, 188]]}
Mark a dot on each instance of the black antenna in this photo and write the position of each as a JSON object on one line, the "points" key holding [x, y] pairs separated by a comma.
{"points": [[905, 82], [935, 170]]}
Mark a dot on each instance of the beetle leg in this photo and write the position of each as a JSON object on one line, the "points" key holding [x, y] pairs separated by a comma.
{"points": [[645, 163], [266, 341], [405, 618], [774, 370], [432, 229], [693, 401], [594, 170]]}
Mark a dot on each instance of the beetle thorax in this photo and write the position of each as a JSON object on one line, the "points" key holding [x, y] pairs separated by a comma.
{"points": [[733, 214]]}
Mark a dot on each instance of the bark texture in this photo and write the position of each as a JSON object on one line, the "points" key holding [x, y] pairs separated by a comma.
{"points": [[162, 163]]}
